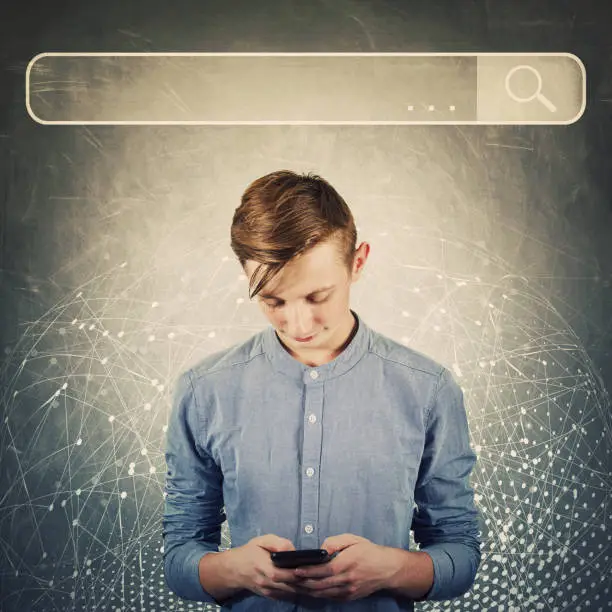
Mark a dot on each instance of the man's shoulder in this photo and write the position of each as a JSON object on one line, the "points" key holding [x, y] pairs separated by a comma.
{"points": [[237, 354], [393, 351]]}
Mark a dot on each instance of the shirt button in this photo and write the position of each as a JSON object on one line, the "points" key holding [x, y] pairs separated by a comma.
{"points": [[314, 374], [309, 529], [312, 418], [310, 472]]}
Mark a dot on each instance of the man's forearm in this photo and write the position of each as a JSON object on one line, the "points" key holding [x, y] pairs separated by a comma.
{"points": [[415, 575], [217, 576]]}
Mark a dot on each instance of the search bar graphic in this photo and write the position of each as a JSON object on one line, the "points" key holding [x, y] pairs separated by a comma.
{"points": [[305, 88]]}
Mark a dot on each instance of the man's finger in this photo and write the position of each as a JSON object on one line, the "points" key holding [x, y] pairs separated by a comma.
{"points": [[316, 571], [286, 576]]}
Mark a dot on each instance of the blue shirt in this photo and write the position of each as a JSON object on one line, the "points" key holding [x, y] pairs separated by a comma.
{"points": [[374, 443]]}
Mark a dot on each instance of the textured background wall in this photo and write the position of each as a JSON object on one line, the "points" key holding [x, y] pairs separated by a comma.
{"points": [[491, 252]]}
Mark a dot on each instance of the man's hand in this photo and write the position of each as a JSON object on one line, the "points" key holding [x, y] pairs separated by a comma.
{"points": [[254, 570], [359, 570]]}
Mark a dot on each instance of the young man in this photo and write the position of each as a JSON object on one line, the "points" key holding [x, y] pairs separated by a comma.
{"points": [[317, 432]]}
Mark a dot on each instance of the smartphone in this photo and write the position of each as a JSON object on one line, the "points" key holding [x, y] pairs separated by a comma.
{"points": [[296, 558]]}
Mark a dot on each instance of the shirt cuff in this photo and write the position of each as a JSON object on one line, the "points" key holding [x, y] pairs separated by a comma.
{"points": [[454, 570], [191, 588], [444, 569]]}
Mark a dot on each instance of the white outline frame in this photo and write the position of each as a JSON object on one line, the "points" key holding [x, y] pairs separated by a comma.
{"points": [[263, 54]]}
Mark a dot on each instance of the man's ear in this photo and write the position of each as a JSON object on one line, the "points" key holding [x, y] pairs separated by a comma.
{"points": [[359, 261]]}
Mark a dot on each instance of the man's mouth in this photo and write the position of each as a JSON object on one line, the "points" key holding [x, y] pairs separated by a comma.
{"points": [[306, 339]]}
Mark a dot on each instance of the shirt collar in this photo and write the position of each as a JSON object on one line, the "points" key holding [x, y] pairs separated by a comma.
{"points": [[283, 362]]}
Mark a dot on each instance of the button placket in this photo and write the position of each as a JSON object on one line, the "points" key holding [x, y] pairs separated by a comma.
{"points": [[311, 455]]}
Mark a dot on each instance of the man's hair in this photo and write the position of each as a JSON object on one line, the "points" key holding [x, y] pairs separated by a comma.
{"points": [[284, 214]]}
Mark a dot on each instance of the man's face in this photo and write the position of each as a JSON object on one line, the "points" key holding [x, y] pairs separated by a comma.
{"points": [[308, 301]]}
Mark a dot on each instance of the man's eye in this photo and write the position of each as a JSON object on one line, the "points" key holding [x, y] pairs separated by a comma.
{"points": [[312, 300]]}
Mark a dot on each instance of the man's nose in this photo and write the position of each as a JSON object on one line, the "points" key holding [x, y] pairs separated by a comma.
{"points": [[299, 321]]}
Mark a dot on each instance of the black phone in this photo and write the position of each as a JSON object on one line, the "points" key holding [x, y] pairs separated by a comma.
{"points": [[296, 558]]}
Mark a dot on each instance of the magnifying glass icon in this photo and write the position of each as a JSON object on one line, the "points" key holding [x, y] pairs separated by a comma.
{"points": [[538, 90]]}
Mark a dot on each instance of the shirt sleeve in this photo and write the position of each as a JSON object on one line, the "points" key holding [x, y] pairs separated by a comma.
{"points": [[193, 507], [446, 520]]}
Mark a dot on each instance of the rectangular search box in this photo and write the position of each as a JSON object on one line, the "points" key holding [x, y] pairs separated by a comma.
{"points": [[305, 88]]}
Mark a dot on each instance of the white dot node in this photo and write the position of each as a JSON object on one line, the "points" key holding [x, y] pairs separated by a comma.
{"points": [[78, 491], [152, 469], [92, 327], [154, 304], [155, 382], [171, 335], [431, 107], [410, 107], [73, 322], [111, 418], [451, 107], [104, 361], [120, 334], [143, 451], [123, 494], [151, 338], [147, 406], [51, 508], [79, 442], [75, 522], [211, 334], [239, 300], [132, 465]]}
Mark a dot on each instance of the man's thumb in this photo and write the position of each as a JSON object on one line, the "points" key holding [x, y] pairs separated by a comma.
{"points": [[275, 543], [340, 542]]}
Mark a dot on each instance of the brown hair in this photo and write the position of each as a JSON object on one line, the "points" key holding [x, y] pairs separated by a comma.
{"points": [[281, 216]]}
